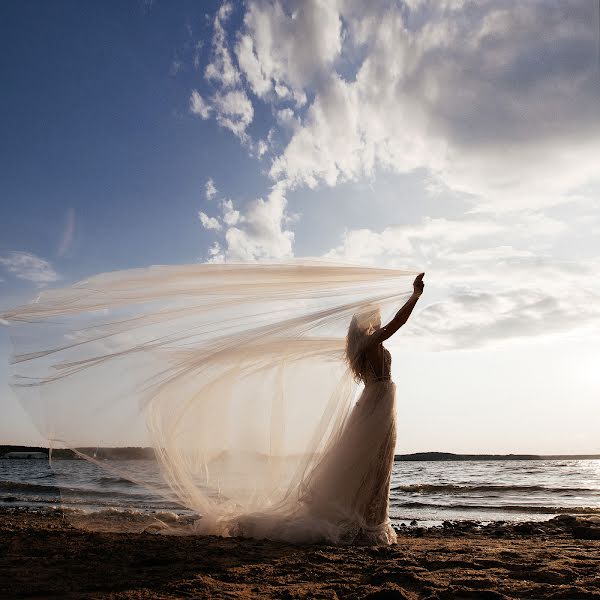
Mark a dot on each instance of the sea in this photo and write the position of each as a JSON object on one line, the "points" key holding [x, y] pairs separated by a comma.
{"points": [[425, 492]]}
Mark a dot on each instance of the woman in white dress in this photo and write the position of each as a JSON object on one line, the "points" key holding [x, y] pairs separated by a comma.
{"points": [[345, 497], [351, 484]]}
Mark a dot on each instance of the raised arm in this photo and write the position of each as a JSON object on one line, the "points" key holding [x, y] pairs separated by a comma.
{"points": [[401, 316]]}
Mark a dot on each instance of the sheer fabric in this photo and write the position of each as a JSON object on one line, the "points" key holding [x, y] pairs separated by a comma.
{"points": [[236, 376]]}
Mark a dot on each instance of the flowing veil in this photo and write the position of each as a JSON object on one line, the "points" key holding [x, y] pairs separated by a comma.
{"points": [[234, 374]]}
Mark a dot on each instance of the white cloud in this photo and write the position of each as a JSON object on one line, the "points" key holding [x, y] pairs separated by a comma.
{"points": [[287, 118], [199, 106], [496, 101], [481, 289], [29, 267], [261, 148], [215, 254], [265, 144], [210, 189], [208, 222], [221, 69], [257, 233], [441, 242], [230, 103], [233, 111], [496, 104], [286, 49], [499, 102], [477, 318], [230, 215]]}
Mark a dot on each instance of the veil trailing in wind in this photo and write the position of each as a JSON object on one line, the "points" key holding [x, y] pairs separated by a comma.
{"points": [[234, 374]]}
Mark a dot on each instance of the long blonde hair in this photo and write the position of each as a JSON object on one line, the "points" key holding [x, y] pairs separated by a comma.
{"points": [[362, 325]]}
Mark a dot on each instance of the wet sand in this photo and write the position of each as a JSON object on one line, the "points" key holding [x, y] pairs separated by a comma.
{"points": [[43, 556]]}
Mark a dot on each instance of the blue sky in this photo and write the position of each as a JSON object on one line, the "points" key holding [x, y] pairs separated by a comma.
{"points": [[459, 138], [98, 124]]}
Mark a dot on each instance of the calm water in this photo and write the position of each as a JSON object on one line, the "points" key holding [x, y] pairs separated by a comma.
{"points": [[429, 492]]}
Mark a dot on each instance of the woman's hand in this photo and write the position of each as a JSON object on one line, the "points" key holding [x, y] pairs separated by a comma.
{"points": [[418, 284]]}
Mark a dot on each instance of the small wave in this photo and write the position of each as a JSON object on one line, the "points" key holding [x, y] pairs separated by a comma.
{"points": [[16, 486], [501, 508], [130, 513], [426, 488], [56, 500], [107, 480]]}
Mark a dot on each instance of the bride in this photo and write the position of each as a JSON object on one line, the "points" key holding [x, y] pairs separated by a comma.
{"points": [[346, 496], [235, 375]]}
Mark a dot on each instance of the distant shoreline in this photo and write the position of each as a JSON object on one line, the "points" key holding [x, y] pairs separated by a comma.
{"points": [[449, 456], [141, 453]]}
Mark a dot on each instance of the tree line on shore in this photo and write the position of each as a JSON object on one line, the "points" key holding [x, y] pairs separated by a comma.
{"points": [[141, 453]]}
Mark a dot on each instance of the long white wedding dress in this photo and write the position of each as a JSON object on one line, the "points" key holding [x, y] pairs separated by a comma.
{"points": [[345, 497], [236, 376]]}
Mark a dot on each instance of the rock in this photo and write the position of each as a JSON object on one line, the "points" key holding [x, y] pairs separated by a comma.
{"points": [[586, 532], [470, 524], [524, 528], [414, 522], [563, 520]]}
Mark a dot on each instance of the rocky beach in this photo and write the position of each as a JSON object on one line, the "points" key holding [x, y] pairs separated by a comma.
{"points": [[43, 556]]}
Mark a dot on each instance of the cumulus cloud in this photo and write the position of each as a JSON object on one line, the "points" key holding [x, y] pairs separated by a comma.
{"points": [[29, 267], [221, 68], [233, 111], [480, 289], [231, 216], [229, 104], [210, 190], [208, 222], [199, 106], [472, 319], [495, 102], [283, 50], [449, 243], [498, 100], [256, 233], [287, 118], [261, 148], [215, 254]]}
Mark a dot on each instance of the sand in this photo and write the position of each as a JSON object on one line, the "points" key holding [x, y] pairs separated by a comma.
{"points": [[43, 556]]}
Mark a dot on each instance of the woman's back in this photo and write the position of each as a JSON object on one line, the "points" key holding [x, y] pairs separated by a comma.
{"points": [[377, 364]]}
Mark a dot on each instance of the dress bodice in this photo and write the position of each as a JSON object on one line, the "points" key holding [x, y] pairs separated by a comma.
{"points": [[384, 373]]}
